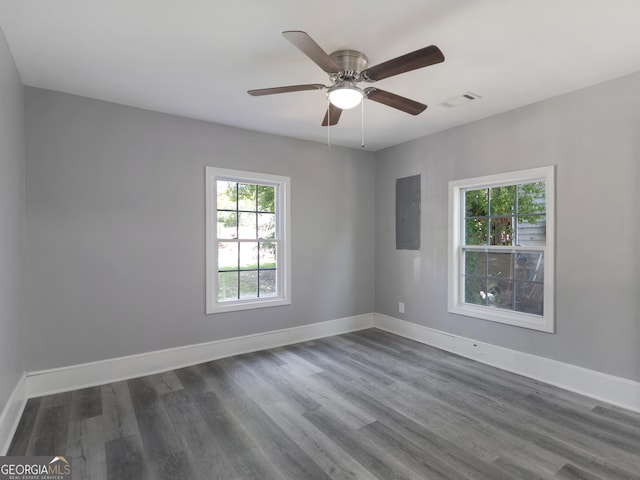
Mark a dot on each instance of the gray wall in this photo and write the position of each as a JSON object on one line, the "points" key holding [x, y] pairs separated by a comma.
{"points": [[115, 229], [593, 136], [12, 217]]}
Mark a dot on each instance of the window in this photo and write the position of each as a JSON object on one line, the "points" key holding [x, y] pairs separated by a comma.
{"points": [[501, 248], [248, 255]]}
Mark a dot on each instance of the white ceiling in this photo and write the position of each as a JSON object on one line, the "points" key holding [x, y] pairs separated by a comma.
{"points": [[197, 58]]}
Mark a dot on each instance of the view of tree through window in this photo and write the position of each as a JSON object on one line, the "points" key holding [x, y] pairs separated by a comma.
{"points": [[247, 241], [499, 217]]}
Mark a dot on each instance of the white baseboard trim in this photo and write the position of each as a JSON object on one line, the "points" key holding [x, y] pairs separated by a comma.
{"points": [[11, 413], [601, 386], [73, 377]]}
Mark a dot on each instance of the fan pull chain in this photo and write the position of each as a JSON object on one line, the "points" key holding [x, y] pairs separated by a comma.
{"points": [[362, 123], [328, 122]]}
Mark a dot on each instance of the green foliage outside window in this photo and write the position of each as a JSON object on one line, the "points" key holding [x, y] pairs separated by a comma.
{"points": [[490, 213]]}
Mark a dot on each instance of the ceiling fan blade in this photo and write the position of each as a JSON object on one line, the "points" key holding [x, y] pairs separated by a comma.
{"points": [[395, 101], [332, 115], [312, 50], [292, 88], [411, 61]]}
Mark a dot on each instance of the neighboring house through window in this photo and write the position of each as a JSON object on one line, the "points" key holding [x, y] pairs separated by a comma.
{"points": [[247, 221], [501, 259]]}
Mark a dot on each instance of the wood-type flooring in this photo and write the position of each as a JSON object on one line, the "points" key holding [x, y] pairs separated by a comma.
{"points": [[364, 405]]}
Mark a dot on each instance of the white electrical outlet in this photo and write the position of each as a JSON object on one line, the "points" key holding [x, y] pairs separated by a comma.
{"points": [[401, 307]]}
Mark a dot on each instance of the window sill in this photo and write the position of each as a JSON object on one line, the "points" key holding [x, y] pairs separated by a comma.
{"points": [[250, 304], [508, 317]]}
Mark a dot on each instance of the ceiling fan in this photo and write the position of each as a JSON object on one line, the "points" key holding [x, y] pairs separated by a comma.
{"points": [[348, 68]]}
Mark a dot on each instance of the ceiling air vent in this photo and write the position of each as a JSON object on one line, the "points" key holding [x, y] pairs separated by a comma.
{"points": [[460, 100]]}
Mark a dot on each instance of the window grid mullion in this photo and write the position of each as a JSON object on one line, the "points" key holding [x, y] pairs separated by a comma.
{"points": [[502, 248], [488, 216], [258, 252], [516, 231], [486, 279], [238, 233], [516, 241]]}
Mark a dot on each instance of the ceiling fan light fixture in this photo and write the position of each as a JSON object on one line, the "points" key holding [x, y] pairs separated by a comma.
{"points": [[345, 95]]}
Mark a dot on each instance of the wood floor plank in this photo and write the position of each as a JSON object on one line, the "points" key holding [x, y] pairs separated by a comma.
{"points": [[291, 461], [56, 399], [356, 444], [208, 459], [362, 405], [163, 449], [617, 415], [326, 453], [86, 446], [243, 375], [50, 432], [235, 442], [420, 460], [268, 372], [165, 382], [571, 472], [125, 460], [118, 415], [308, 352], [520, 471], [86, 403], [297, 363]]}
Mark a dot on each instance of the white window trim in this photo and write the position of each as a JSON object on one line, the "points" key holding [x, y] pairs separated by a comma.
{"points": [[283, 206], [545, 322]]}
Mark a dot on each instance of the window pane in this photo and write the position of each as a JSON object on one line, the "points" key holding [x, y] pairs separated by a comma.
{"points": [[501, 231], [475, 290], [227, 286], [267, 283], [247, 227], [476, 203], [227, 256], [503, 201], [249, 284], [530, 298], [532, 231], [266, 225], [475, 263], [226, 195], [476, 231], [499, 265], [530, 267], [266, 198], [500, 293], [227, 225], [247, 197], [531, 198], [248, 255], [267, 255]]}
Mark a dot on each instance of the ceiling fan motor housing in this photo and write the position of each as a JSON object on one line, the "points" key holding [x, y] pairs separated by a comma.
{"points": [[351, 63]]}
